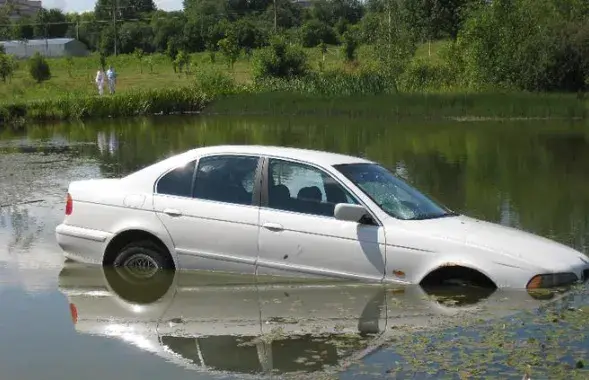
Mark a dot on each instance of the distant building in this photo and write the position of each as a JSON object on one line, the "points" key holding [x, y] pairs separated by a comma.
{"points": [[52, 47], [21, 8]]}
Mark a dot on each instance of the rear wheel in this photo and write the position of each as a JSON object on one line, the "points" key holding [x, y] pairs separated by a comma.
{"points": [[143, 258]]}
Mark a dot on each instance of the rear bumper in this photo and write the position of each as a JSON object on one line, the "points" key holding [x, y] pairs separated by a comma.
{"points": [[82, 244]]}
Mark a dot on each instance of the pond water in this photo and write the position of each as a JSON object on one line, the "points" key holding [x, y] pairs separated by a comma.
{"points": [[69, 321]]}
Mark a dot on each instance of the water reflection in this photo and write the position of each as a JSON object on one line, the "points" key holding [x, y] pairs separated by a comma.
{"points": [[217, 322]]}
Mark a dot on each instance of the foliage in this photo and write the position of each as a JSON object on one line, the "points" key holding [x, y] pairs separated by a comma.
{"points": [[215, 82], [395, 44], [426, 75], [229, 47], [542, 45], [279, 60], [313, 32], [182, 62], [69, 62], [7, 66], [351, 42], [138, 54], [151, 102], [39, 68]]}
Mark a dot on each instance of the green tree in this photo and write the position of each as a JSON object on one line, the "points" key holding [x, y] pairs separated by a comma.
{"points": [[125, 9], [229, 47], [138, 54], [50, 23], [313, 32], [279, 60], [182, 61], [39, 68], [537, 45], [350, 44], [395, 42], [7, 65]]}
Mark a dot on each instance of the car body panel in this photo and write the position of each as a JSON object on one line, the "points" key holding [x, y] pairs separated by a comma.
{"points": [[321, 246]]}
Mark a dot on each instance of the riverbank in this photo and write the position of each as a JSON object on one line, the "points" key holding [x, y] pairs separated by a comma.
{"points": [[132, 103], [247, 101]]}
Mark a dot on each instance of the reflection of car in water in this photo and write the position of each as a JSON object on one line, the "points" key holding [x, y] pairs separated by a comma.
{"points": [[231, 323]]}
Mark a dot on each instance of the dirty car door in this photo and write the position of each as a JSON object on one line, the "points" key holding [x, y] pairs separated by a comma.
{"points": [[299, 233]]}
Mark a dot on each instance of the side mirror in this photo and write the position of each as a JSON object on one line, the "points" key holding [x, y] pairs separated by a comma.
{"points": [[350, 212]]}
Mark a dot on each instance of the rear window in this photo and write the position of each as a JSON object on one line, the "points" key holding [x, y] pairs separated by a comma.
{"points": [[178, 182]]}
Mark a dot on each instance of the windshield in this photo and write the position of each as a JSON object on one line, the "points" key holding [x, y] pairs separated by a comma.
{"points": [[393, 195]]}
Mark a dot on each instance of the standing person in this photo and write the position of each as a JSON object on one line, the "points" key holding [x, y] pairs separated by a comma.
{"points": [[100, 81], [111, 75]]}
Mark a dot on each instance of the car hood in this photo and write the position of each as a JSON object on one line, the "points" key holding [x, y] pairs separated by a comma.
{"points": [[506, 242]]}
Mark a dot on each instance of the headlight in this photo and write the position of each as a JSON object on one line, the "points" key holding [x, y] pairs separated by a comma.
{"points": [[551, 280]]}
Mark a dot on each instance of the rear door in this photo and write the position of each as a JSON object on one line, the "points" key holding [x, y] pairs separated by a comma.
{"points": [[210, 207]]}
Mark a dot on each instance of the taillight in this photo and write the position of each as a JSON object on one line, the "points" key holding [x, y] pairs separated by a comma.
{"points": [[74, 313], [69, 205]]}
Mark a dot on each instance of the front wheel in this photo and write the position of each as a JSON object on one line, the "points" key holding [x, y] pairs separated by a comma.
{"points": [[143, 258]]}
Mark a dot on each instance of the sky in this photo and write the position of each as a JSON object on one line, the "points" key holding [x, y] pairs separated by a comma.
{"points": [[87, 5]]}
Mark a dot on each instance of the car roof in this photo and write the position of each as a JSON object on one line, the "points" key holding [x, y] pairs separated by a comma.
{"points": [[315, 156], [146, 176]]}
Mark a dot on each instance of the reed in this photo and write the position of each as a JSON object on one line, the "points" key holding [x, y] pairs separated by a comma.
{"points": [[394, 105], [188, 99]]}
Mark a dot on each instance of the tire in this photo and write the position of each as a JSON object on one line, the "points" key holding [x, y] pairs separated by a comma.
{"points": [[139, 290], [145, 255]]}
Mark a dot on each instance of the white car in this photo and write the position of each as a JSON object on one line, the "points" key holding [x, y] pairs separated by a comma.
{"points": [[274, 211]]}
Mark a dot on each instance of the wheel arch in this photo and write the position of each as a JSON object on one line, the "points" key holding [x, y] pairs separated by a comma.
{"points": [[128, 235], [456, 269]]}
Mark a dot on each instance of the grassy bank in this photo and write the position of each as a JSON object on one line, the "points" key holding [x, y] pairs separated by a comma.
{"points": [[423, 105], [191, 99], [150, 86], [133, 103]]}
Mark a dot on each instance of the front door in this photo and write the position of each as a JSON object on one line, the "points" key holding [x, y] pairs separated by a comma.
{"points": [[299, 234], [212, 212]]}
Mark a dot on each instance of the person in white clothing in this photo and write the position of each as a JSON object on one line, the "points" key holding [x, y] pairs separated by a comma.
{"points": [[111, 75], [100, 82]]}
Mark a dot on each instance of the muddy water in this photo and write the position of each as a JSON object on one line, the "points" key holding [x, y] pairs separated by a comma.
{"points": [[66, 322]]}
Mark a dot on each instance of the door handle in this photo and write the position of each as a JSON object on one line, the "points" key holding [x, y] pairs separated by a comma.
{"points": [[172, 212], [273, 226]]}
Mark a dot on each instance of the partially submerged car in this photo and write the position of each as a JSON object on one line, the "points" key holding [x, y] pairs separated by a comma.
{"points": [[294, 212], [224, 323]]}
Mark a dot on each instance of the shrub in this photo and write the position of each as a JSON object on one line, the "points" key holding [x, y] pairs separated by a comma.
{"points": [[313, 32], [424, 74], [229, 47], [350, 44], [39, 68], [7, 66], [279, 60], [215, 82], [534, 45]]}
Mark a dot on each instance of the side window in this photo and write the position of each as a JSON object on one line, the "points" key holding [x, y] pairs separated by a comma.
{"points": [[177, 182], [302, 188], [226, 179]]}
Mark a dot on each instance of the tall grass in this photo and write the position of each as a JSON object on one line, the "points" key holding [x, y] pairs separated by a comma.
{"points": [[133, 103], [398, 105], [359, 94]]}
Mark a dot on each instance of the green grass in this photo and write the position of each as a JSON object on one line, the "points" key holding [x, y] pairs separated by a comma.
{"points": [[423, 105], [152, 87], [133, 103], [78, 80]]}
